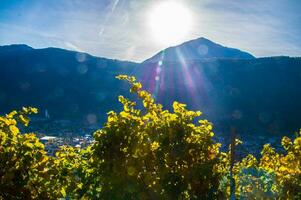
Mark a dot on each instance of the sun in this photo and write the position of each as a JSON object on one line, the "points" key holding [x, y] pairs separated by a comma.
{"points": [[169, 22]]}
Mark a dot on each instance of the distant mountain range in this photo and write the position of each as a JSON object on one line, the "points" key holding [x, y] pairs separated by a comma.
{"points": [[231, 87]]}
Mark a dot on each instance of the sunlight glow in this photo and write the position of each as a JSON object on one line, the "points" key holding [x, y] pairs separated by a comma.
{"points": [[170, 22]]}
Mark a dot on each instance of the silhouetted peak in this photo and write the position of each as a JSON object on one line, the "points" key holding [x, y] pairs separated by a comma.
{"points": [[200, 48]]}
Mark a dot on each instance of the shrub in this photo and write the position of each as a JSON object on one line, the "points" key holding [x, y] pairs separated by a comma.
{"points": [[274, 175], [153, 153], [143, 153], [23, 160]]}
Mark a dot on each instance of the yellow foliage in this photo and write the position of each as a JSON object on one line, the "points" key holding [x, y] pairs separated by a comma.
{"points": [[143, 153]]}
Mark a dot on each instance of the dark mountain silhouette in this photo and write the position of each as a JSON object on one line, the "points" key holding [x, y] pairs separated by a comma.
{"points": [[197, 49], [255, 95], [67, 83]]}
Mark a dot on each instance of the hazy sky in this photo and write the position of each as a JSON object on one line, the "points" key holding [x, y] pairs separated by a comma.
{"points": [[120, 29]]}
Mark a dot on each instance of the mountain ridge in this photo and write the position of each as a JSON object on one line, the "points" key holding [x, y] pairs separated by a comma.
{"points": [[27, 47], [205, 46], [72, 84]]}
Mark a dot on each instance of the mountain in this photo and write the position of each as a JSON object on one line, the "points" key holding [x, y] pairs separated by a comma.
{"points": [[256, 95], [198, 49], [67, 83]]}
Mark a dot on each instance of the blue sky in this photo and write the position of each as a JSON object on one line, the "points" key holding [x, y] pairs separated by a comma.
{"points": [[119, 28]]}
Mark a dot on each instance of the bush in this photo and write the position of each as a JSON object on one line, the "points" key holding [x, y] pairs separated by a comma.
{"points": [[146, 153], [152, 153], [274, 175], [23, 160]]}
